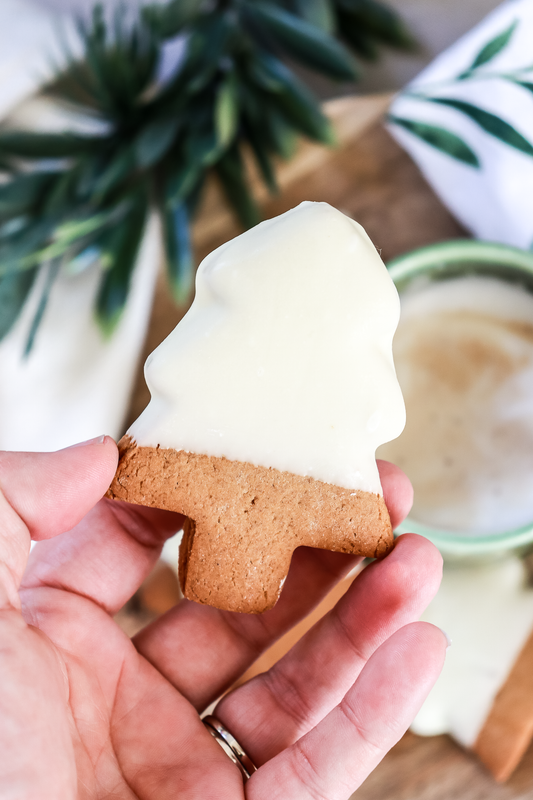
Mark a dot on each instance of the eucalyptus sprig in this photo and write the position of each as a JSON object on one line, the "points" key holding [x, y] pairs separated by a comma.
{"points": [[70, 200]]}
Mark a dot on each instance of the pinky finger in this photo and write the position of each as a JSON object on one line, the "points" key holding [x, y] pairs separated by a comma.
{"points": [[331, 761]]}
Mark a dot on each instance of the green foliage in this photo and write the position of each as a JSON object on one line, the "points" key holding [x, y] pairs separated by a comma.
{"points": [[490, 123], [492, 48], [46, 145], [303, 40], [447, 141], [69, 200], [365, 25], [121, 245], [443, 140], [168, 20], [179, 257], [52, 270], [14, 289], [318, 12], [18, 195]]}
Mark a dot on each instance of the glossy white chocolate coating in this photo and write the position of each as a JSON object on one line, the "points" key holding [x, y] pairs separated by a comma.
{"points": [[285, 357]]}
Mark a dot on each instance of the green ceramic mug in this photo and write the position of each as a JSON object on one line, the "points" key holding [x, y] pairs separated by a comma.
{"points": [[440, 262]]}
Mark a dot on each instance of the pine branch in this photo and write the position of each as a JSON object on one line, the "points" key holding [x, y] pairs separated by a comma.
{"points": [[161, 140]]}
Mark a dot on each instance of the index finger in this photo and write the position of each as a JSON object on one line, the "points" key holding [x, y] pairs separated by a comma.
{"points": [[110, 552], [38, 499], [104, 557]]}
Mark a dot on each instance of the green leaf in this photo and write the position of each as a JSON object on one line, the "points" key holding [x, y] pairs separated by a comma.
{"points": [[251, 100], [227, 110], [74, 229], [297, 103], [88, 169], [258, 72], [443, 140], [495, 46], [179, 258], [74, 86], [52, 270], [525, 85], [364, 22], [355, 35], [123, 248], [13, 226], [490, 123], [260, 150], [203, 149], [206, 47], [18, 251], [182, 180], [318, 13], [113, 174], [57, 240], [304, 41], [47, 145], [168, 20], [120, 58], [23, 192], [59, 197], [155, 140], [194, 196], [230, 171], [282, 137], [14, 289]]}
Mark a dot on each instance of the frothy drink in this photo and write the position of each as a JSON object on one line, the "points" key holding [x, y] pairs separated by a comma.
{"points": [[464, 356]]}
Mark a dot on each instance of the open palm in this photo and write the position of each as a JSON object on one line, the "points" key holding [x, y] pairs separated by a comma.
{"points": [[87, 713]]}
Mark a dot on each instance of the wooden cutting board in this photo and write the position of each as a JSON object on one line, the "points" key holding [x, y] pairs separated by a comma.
{"points": [[373, 180]]}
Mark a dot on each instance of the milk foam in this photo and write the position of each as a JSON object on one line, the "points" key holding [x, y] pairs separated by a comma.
{"points": [[464, 355], [285, 357]]}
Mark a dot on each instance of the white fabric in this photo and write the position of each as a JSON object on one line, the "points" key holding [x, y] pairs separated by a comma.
{"points": [[30, 48], [75, 384], [486, 639], [32, 38], [494, 201]]}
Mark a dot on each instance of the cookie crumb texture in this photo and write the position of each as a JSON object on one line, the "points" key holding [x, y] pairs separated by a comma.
{"points": [[244, 522]]}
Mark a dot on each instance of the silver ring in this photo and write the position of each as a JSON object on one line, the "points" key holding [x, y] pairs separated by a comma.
{"points": [[230, 745]]}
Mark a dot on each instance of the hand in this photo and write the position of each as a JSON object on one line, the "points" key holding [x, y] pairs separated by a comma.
{"points": [[87, 713]]}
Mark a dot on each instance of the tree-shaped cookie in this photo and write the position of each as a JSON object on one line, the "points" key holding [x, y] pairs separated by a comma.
{"points": [[268, 402]]}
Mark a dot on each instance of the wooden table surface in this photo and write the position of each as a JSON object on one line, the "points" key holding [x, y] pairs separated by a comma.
{"points": [[370, 178]]}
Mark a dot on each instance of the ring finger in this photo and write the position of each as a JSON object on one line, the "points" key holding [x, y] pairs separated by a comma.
{"points": [[275, 709], [203, 651]]}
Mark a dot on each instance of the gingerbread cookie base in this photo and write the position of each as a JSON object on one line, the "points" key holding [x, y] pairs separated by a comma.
{"points": [[245, 521]]}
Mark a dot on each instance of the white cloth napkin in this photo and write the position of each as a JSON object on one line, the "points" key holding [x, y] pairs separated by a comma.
{"points": [[33, 38], [467, 121], [75, 384], [30, 48]]}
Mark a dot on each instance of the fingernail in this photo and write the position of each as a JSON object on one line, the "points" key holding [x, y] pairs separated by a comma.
{"points": [[448, 640], [96, 440]]}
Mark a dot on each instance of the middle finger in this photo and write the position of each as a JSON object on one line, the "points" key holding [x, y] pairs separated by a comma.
{"points": [[276, 708], [203, 651]]}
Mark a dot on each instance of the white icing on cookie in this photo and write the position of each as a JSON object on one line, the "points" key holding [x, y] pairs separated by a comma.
{"points": [[285, 357]]}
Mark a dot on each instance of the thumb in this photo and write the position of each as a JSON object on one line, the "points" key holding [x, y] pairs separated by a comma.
{"points": [[42, 494], [52, 492]]}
